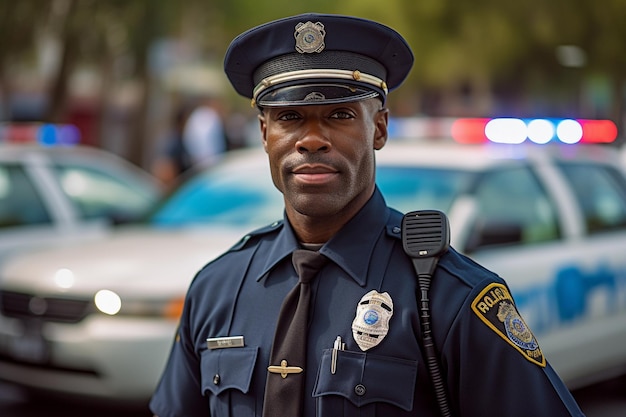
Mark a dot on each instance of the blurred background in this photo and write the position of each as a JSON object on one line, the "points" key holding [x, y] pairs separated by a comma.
{"points": [[123, 70], [138, 78]]}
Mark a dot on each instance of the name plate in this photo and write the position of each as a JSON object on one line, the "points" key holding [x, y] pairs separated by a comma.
{"points": [[225, 342]]}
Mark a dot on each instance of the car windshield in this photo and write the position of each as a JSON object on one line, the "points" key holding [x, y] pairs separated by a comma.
{"points": [[97, 193], [249, 199], [236, 199], [419, 188]]}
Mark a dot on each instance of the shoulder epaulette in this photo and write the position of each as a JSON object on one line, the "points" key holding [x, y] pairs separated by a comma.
{"points": [[258, 232], [394, 224]]}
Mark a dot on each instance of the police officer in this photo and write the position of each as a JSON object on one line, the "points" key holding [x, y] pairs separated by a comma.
{"points": [[320, 82]]}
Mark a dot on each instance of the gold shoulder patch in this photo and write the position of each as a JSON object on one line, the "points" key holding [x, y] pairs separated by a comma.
{"points": [[495, 307]]}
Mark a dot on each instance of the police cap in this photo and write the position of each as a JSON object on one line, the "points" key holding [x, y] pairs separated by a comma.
{"points": [[317, 59]]}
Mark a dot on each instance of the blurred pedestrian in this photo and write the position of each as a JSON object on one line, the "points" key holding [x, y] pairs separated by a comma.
{"points": [[204, 135], [174, 159]]}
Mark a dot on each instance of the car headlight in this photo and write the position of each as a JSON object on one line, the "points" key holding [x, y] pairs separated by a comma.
{"points": [[109, 302]]}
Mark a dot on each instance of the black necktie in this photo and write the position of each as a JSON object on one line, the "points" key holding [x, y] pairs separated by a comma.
{"points": [[284, 390]]}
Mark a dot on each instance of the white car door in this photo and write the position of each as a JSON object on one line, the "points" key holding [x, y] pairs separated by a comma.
{"points": [[559, 243]]}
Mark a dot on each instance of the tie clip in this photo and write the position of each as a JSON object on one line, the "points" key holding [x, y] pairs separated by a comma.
{"points": [[284, 370], [225, 342]]}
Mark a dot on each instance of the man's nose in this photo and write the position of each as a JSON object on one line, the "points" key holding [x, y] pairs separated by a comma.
{"points": [[314, 139]]}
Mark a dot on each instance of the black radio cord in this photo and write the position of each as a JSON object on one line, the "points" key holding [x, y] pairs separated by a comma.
{"points": [[429, 346]]}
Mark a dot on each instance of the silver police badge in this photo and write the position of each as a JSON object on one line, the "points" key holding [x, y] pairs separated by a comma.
{"points": [[309, 37], [371, 323]]}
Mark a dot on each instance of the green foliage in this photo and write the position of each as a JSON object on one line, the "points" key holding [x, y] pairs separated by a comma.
{"points": [[456, 42]]}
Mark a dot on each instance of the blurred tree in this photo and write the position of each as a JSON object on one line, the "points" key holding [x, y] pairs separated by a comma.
{"points": [[67, 22], [475, 57], [20, 24], [603, 41]]}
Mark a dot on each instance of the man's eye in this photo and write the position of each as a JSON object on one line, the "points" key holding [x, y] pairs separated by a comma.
{"points": [[289, 116], [342, 115]]}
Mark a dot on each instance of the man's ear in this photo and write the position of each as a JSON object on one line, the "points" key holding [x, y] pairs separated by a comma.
{"points": [[381, 120], [263, 127]]}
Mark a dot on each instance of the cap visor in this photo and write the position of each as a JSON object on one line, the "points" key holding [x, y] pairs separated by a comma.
{"points": [[315, 94]]}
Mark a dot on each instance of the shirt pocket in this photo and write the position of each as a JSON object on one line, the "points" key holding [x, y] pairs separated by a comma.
{"points": [[226, 377], [364, 385]]}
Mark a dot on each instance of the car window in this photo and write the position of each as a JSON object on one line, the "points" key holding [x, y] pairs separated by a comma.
{"points": [[97, 194], [513, 208], [242, 199], [20, 205], [601, 194], [412, 188], [250, 199]]}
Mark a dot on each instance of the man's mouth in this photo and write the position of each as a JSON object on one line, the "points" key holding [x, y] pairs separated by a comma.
{"points": [[314, 173]]}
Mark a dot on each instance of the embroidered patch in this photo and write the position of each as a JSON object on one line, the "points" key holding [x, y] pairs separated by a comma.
{"points": [[495, 307]]}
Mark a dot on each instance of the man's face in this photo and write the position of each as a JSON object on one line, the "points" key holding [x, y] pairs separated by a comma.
{"points": [[322, 157]]}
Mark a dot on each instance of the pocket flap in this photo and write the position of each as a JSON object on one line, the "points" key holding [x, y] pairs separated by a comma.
{"points": [[231, 368], [366, 378]]}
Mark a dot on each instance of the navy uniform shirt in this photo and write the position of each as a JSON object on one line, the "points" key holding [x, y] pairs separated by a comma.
{"points": [[490, 368]]}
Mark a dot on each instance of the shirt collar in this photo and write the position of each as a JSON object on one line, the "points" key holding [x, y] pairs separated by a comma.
{"points": [[353, 244]]}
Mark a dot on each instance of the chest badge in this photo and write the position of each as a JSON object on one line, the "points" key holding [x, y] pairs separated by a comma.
{"points": [[371, 323]]}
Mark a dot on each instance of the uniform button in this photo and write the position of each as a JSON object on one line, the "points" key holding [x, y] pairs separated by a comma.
{"points": [[359, 390], [397, 229], [216, 379]]}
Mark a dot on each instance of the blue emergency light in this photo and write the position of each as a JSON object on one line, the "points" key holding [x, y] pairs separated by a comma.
{"points": [[512, 130], [45, 134]]}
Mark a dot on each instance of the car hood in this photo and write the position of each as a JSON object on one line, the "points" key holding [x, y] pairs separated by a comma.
{"points": [[135, 260]]}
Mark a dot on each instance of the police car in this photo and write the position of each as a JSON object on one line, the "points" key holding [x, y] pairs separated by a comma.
{"points": [[546, 213], [54, 190]]}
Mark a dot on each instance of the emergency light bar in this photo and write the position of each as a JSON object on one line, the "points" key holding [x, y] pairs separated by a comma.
{"points": [[511, 130], [39, 133]]}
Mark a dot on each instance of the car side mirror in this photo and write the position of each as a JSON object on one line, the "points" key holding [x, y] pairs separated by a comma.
{"points": [[493, 232]]}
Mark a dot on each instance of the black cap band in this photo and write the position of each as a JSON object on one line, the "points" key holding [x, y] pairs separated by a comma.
{"points": [[328, 60], [350, 70]]}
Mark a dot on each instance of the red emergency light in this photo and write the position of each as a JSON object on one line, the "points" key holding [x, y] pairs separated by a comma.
{"points": [[540, 131]]}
